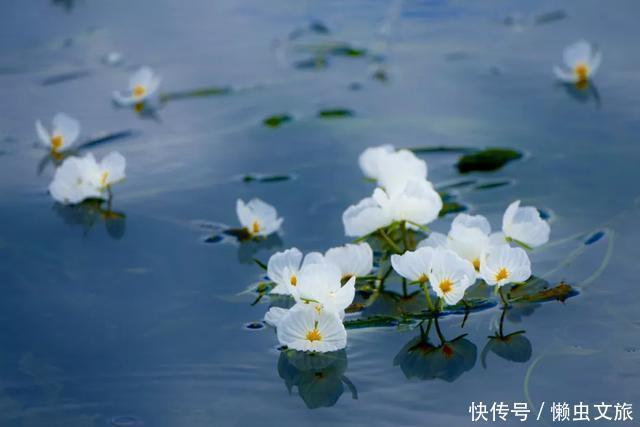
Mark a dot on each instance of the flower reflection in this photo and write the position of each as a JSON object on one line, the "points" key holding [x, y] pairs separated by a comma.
{"points": [[421, 359], [514, 347], [319, 377], [90, 212]]}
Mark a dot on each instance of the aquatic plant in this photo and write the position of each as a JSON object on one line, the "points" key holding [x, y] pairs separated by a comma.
{"points": [[64, 132], [143, 84], [581, 61]]}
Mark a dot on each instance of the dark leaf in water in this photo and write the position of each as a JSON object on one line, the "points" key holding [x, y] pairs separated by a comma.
{"points": [[277, 120], [61, 78], [458, 184], [594, 237], [560, 293], [254, 325], [216, 238], [109, 137], [318, 27], [441, 149], [489, 159], [347, 50], [451, 207], [196, 93], [314, 63], [371, 322], [380, 75], [549, 17], [335, 113], [490, 185], [239, 233], [266, 178]]}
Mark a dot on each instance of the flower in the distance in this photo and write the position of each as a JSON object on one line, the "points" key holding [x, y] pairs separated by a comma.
{"points": [[352, 260], [320, 285], [417, 203], [524, 225], [306, 329], [414, 265], [469, 237], [81, 178], [581, 61], [142, 85], [503, 264], [283, 268], [450, 275], [64, 132], [258, 218]]}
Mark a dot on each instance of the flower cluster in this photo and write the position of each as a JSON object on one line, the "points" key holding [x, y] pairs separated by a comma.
{"points": [[324, 285], [83, 178]]}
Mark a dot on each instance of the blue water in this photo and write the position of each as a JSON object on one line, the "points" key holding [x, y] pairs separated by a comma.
{"points": [[138, 321]]}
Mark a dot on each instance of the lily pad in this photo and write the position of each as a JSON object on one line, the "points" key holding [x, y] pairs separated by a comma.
{"points": [[486, 160], [335, 113], [277, 120]]}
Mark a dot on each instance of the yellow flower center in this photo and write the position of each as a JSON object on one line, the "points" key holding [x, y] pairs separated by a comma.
{"points": [[255, 227], [446, 286], [313, 335], [294, 280], [502, 274], [423, 278], [103, 178], [56, 142], [582, 72], [476, 264], [139, 91]]}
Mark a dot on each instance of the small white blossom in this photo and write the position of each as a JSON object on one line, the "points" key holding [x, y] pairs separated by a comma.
{"points": [[305, 329], [450, 275], [258, 218], [525, 225], [581, 61], [143, 84], [503, 264], [64, 132], [352, 260]]}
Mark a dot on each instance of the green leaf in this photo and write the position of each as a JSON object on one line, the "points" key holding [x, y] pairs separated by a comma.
{"points": [[489, 159], [335, 113], [277, 120]]}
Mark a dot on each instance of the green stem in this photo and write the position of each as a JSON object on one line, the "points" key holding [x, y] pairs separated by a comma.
{"points": [[440, 336], [389, 241], [425, 289], [404, 287], [405, 239], [502, 297], [504, 312]]}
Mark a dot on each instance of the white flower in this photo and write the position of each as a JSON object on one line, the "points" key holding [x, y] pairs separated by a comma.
{"points": [[450, 275], [525, 225], [414, 265], [320, 286], [283, 268], [392, 169], [581, 61], [372, 159], [364, 218], [503, 264], [435, 240], [417, 203], [81, 178], [64, 132], [275, 315], [469, 237], [352, 260], [305, 329], [258, 217], [142, 85]]}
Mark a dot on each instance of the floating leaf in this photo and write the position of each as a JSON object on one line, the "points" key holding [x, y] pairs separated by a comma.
{"points": [[347, 50], [196, 93], [490, 185], [549, 17], [450, 204], [442, 149], [335, 113], [560, 293], [277, 120], [266, 178], [60, 78], [371, 322], [489, 159], [594, 237], [314, 63], [109, 137]]}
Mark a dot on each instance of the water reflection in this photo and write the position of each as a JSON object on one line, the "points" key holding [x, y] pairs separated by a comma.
{"points": [[582, 92], [514, 347], [319, 377], [90, 212], [421, 359]]}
